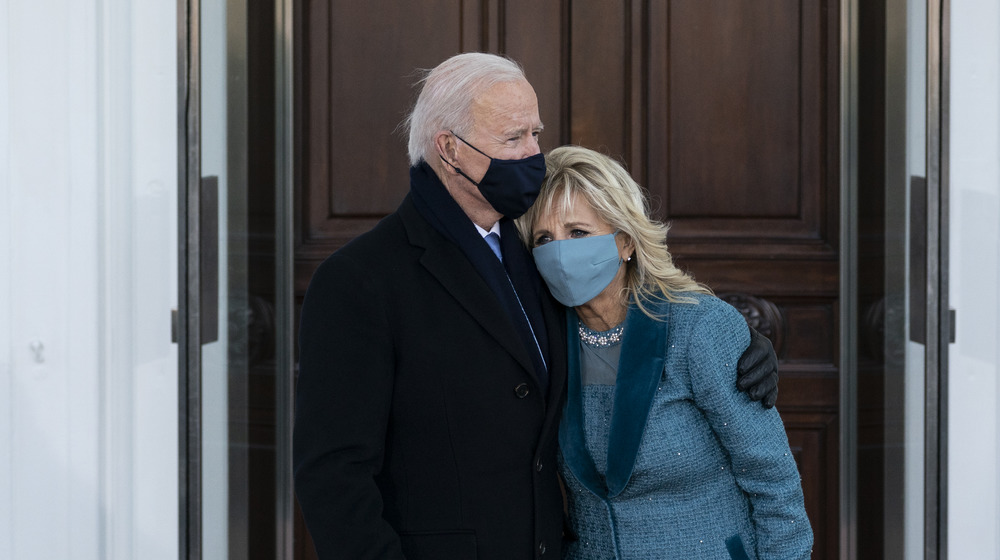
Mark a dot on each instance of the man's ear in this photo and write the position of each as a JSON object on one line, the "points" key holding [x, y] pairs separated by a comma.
{"points": [[447, 148]]}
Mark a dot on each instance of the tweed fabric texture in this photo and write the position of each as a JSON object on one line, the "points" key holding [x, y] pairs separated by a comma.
{"points": [[711, 465]]}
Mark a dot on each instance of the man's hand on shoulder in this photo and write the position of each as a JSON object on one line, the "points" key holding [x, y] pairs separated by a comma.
{"points": [[757, 370]]}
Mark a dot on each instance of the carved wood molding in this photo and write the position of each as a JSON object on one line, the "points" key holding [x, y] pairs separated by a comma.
{"points": [[761, 314]]}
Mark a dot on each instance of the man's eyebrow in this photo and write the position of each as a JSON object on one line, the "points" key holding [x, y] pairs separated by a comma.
{"points": [[518, 131]]}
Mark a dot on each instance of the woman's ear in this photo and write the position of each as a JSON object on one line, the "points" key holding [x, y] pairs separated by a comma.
{"points": [[627, 248]]}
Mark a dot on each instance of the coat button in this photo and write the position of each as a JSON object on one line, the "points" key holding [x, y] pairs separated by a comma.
{"points": [[521, 390], [542, 548], [538, 465]]}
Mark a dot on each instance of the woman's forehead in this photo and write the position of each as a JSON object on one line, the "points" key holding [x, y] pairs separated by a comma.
{"points": [[567, 206]]}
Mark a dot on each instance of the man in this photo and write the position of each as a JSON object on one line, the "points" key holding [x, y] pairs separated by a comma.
{"points": [[432, 369]]}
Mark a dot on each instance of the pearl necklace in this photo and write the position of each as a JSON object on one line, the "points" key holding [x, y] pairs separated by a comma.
{"points": [[601, 339]]}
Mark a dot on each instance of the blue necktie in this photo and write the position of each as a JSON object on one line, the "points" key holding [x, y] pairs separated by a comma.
{"points": [[493, 240]]}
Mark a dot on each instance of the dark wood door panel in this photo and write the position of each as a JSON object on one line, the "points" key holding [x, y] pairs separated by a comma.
{"points": [[737, 123], [726, 111], [532, 33], [600, 76], [740, 272], [358, 62], [747, 123], [812, 436]]}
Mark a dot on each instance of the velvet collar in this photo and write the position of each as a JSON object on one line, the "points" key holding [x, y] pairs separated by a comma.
{"points": [[639, 370]]}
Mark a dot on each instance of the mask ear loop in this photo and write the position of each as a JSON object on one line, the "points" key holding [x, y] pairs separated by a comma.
{"points": [[621, 260], [458, 169], [467, 144]]}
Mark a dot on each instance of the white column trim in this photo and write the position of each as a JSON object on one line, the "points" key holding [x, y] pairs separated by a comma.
{"points": [[6, 381]]}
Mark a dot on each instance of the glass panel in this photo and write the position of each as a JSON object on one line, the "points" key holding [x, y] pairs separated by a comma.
{"points": [[237, 202], [892, 285], [223, 376], [915, 287]]}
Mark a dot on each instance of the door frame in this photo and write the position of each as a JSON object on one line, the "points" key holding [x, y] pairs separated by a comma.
{"points": [[939, 325], [285, 324], [187, 323]]}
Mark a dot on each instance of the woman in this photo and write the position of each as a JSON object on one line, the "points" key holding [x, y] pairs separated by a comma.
{"points": [[661, 455]]}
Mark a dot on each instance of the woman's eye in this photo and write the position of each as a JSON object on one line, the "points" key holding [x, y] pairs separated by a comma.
{"points": [[579, 233], [542, 240]]}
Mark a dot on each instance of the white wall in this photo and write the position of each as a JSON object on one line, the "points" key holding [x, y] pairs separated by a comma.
{"points": [[88, 162], [974, 364]]}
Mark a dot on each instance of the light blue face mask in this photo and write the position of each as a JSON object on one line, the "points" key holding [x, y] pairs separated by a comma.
{"points": [[577, 270]]}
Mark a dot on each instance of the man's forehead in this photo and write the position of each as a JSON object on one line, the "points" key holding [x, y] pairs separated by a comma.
{"points": [[507, 108]]}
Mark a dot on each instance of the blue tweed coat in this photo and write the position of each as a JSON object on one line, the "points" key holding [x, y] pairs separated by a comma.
{"points": [[673, 461]]}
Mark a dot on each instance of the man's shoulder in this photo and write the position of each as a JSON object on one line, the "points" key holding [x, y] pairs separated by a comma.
{"points": [[395, 239], [365, 251], [387, 232]]}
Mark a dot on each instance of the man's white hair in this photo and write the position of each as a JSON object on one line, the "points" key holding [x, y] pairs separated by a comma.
{"points": [[447, 94]]}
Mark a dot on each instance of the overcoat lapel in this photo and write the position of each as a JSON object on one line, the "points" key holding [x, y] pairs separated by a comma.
{"points": [[639, 370], [452, 269], [554, 316]]}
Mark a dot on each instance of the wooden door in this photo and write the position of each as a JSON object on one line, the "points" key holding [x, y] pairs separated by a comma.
{"points": [[726, 110]]}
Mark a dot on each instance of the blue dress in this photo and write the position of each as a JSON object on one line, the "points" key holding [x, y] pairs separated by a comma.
{"points": [[672, 461]]}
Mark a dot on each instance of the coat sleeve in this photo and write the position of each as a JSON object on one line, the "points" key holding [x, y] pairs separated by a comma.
{"points": [[342, 406], [753, 437]]}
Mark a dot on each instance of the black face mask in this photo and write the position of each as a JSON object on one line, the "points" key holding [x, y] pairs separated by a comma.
{"points": [[510, 185]]}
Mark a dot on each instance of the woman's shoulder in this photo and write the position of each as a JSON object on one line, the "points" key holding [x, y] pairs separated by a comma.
{"points": [[705, 316], [695, 306]]}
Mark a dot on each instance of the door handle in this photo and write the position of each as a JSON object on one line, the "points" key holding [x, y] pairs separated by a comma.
{"points": [[208, 263], [208, 251]]}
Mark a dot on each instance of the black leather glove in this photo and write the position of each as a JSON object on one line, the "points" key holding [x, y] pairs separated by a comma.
{"points": [[757, 370]]}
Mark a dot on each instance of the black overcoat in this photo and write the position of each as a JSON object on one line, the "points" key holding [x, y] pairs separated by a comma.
{"points": [[421, 430]]}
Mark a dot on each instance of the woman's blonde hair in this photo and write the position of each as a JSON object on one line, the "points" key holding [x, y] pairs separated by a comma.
{"points": [[618, 200]]}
